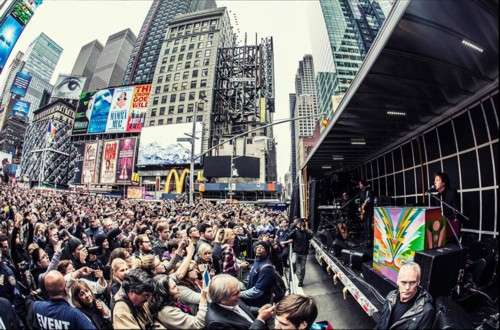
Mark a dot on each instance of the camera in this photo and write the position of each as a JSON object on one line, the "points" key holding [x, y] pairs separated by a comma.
{"points": [[94, 250]]}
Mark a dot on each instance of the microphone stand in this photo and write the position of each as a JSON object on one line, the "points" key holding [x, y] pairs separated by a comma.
{"points": [[448, 220]]}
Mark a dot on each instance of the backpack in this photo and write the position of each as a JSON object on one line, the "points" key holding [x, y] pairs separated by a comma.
{"points": [[279, 287]]}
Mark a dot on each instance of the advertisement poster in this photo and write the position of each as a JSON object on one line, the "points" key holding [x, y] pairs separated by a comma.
{"points": [[68, 87], [77, 176], [135, 192], [125, 166], [82, 114], [137, 113], [108, 164], [10, 30], [89, 163], [160, 146], [22, 11], [19, 109], [21, 83], [100, 110], [120, 105]]}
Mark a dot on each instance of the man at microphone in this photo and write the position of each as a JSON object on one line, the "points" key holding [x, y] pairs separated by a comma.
{"points": [[449, 196], [366, 209]]}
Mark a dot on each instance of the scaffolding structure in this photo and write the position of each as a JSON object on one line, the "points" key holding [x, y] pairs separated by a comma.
{"points": [[244, 89]]}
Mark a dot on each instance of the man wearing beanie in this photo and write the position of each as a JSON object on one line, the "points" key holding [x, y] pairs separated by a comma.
{"points": [[260, 279]]}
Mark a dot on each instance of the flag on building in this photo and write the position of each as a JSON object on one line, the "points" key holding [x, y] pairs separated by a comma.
{"points": [[51, 131]]}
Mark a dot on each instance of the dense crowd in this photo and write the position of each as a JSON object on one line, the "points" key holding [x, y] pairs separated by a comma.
{"points": [[82, 261]]}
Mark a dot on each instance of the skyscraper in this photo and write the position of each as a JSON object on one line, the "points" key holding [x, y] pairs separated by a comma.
{"points": [[306, 97], [351, 26], [42, 56], [86, 62], [111, 65], [142, 63], [14, 67]]}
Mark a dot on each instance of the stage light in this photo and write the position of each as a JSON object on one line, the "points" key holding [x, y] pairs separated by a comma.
{"points": [[395, 113], [326, 167], [338, 157], [358, 141], [471, 45]]}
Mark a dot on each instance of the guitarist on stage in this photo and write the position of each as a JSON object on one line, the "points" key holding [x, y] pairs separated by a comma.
{"points": [[366, 209]]}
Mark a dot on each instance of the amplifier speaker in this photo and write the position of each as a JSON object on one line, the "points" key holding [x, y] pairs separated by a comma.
{"points": [[440, 269], [379, 281]]}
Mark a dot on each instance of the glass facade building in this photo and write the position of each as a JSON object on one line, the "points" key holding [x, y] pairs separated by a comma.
{"points": [[42, 56], [142, 62]]}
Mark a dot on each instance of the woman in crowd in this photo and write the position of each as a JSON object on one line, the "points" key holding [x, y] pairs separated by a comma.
{"points": [[96, 310], [119, 268], [206, 262], [170, 312]]}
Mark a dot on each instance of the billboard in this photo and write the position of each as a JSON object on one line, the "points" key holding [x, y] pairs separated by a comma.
{"points": [[80, 150], [220, 167], [21, 83], [10, 30], [135, 192], [19, 109], [159, 145], [125, 162], [120, 105], [137, 114], [108, 163], [89, 163], [22, 11], [101, 104], [82, 114], [68, 87]]}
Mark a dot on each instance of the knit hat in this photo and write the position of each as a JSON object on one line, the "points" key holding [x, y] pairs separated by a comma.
{"points": [[265, 245], [99, 239], [73, 243]]}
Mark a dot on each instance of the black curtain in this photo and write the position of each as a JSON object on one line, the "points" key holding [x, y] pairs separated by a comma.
{"points": [[294, 211], [313, 209]]}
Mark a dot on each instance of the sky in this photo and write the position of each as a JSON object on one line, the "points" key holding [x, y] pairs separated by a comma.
{"points": [[72, 24]]}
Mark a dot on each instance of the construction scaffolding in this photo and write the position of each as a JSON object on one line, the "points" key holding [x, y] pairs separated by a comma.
{"points": [[244, 89]]}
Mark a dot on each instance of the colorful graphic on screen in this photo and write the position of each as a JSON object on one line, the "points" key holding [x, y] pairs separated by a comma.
{"points": [[89, 163], [82, 115], [21, 83], [122, 99], [19, 109], [125, 163], [22, 11], [100, 110], [10, 30], [108, 163], [137, 113]]}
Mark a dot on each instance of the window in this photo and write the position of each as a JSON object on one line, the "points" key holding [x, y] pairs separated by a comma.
{"points": [[172, 58], [169, 121], [185, 75], [203, 83], [167, 51], [152, 123], [168, 78], [171, 110], [160, 79], [200, 45], [170, 68], [203, 95], [192, 96], [189, 119], [207, 53], [206, 61], [157, 89], [191, 47], [196, 63], [162, 69], [155, 100], [184, 85], [162, 111], [195, 74], [164, 99], [173, 97], [160, 122], [178, 120], [204, 73], [180, 108], [166, 88], [182, 97], [178, 66], [163, 61], [209, 43], [198, 54], [199, 118], [189, 56], [183, 48], [175, 87], [174, 50], [201, 105], [194, 84], [193, 38], [180, 57], [190, 107], [177, 76], [153, 113], [210, 36]]}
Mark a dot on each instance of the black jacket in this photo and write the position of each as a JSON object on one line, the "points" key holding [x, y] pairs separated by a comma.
{"points": [[419, 316], [8, 316], [219, 318], [301, 240]]}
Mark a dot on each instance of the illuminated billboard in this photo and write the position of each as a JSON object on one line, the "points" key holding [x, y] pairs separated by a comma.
{"points": [[19, 109], [22, 11], [89, 163], [119, 110], [10, 30], [159, 144], [21, 83], [82, 114], [68, 87], [125, 162], [108, 163]]}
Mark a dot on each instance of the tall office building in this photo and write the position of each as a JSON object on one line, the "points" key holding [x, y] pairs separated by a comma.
{"points": [[111, 65], [42, 56], [306, 98], [86, 62], [351, 26], [14, 67], [142, 63]]}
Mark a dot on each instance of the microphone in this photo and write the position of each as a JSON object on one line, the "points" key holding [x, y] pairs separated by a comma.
{"points": [[432, 190]]}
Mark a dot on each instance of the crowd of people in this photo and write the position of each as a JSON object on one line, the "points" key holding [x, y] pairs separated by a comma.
{"points": [[83, 261]]}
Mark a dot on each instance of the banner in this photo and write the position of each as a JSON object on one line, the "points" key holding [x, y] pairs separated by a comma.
{"points": [[19, 109], [137, 114], [89, 163], [101, 105], [82, 114], [108, 163], [68, 87], [10, 30], [126, 151], [80, 150], [120, 105], [21, 83]]}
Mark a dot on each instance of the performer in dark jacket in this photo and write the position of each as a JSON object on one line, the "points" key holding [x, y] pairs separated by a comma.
{"points": [[409, 307], [448, 195]]}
